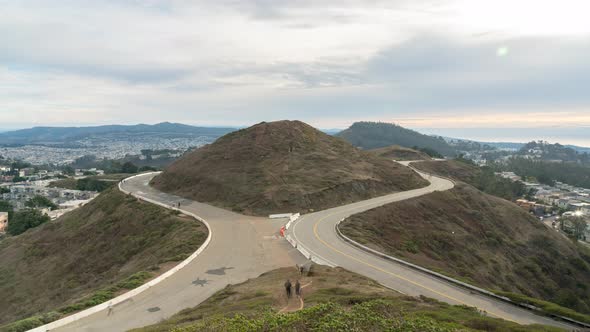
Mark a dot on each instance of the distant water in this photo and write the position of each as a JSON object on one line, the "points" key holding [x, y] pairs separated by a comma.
{"points": [[579, 136]]}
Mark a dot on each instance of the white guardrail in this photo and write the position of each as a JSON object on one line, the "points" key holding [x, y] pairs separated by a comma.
{"points": [[305, 252], [124, 297]]}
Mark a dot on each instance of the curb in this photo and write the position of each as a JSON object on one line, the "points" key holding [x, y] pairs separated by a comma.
{"points": [[126, 296], [455, 281]]}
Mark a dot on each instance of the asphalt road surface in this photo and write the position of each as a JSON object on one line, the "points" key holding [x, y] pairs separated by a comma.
{"points": [[316, 231], [241, 247]]}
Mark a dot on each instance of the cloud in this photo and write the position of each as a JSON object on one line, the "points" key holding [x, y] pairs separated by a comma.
{"points": [[239, 62]]}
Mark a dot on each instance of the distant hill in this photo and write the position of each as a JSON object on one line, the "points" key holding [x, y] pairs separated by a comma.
{"points": [[484, 240], [283, 166], [87, 256], [397, 152], [63, 135], [371, 135], [547, 151]]}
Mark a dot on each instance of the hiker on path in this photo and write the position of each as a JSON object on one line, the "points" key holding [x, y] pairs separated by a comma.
{"points": [[298, 288], [110, 306], [288, 288]]}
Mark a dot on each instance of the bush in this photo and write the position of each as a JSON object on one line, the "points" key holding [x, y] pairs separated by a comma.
{"points": [[546, 306], [24, 220]]}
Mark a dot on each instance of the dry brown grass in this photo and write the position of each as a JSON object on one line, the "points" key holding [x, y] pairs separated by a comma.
{"points": [[89, 249], [284, 166], [397, 152], [481, 239]]}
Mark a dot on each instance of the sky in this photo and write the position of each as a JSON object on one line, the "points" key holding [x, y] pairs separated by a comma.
{"points": [[422, 64]]}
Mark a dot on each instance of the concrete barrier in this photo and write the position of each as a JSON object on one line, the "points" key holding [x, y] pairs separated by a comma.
{"points": [[292, 219], [455, 281], [280, 216], [302, 249], [126, 296]]}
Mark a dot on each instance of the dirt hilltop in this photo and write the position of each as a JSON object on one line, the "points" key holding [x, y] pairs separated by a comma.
{"points": [[397, 152], [283, 166]]}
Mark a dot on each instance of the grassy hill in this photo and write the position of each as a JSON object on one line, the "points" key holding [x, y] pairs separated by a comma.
{"points": [[284, 166], [483, 240], [336, 300], [483, 178], [372, 135], [89, 255], [397, 152]]}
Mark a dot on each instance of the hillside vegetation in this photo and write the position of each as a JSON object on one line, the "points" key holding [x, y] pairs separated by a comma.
{"points": [[483, 178], [481, 239], [372, 135], [284, 166], [548, 172], [397, 152], [89, 255], [336, 300], [91, 183]]}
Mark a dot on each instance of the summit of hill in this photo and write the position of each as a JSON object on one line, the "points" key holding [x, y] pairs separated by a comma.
{"points": [[283, 166]]}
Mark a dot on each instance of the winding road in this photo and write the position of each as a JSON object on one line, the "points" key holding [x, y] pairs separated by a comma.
{"points": [[241, 247], [317, 233], [244, 247]]}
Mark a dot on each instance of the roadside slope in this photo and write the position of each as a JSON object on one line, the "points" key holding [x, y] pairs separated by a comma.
{"points": [[482, 178], [397, 152], [283, 166], [335, 300], [481, 239], [112, 244]]}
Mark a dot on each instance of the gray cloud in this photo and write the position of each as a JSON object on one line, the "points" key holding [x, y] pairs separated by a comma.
{"points": [[247, 61]]}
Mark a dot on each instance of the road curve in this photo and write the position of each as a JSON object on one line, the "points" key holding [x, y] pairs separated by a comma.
{"points": [[241, 247], [317, 233], [244, 247]]}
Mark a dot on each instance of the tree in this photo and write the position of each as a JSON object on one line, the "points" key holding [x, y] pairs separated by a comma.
{"points": [[578, 226], [68, 170], [40, 202], [128, 167], [24, 220], [18, 179], [147, 169], [6, 207]]}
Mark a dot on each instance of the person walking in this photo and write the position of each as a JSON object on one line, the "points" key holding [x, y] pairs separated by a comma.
{"points": [[110, 307], [298, 288], [288, 288]]}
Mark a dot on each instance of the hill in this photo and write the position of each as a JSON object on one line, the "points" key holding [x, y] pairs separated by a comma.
{"points": [[89, 255], [66, 135], [334, 300], [483, 240], [545, 151], [372, 135], [397, 152], [483, 178], [284, 166]]}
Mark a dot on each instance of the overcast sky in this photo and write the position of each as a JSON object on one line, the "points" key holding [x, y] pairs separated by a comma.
{"points": [[423, 64]]}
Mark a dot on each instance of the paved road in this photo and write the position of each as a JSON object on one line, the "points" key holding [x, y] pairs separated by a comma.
{"points": [[317, 233], [241, 247], [244, 247]]}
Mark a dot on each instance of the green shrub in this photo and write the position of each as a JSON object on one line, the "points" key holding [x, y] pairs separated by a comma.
{"points": [[546, 306]]}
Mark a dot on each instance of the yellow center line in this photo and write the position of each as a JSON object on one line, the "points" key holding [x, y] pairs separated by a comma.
{"points": [[315, 231]]}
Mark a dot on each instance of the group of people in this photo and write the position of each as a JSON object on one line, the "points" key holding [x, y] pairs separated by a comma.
{"points": [[288, 287]]}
